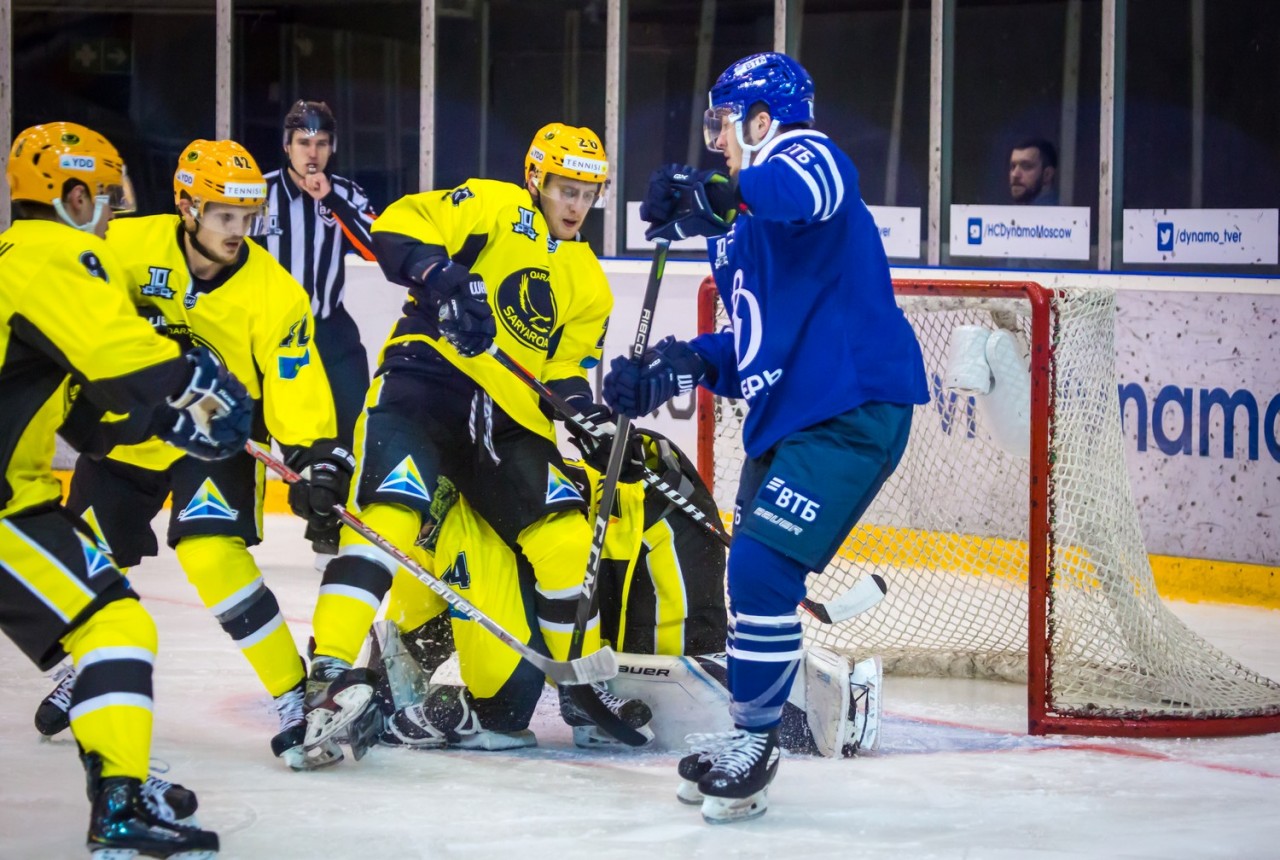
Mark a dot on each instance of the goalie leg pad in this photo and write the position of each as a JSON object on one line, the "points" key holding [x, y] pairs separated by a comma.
{"points": [[865, 683], [827, 696], [406, 680]]}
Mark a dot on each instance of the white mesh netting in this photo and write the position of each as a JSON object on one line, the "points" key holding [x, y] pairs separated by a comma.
{"points": [[949, 532]]}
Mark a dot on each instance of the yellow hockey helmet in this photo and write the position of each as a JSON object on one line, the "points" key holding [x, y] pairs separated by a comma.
{"points": [[566, 150], [45, 157], [218, 171]]}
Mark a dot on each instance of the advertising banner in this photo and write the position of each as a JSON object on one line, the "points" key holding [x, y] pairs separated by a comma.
{"points": [[1197, 383], [899, 230], [1245, 237], [1028, 232]]}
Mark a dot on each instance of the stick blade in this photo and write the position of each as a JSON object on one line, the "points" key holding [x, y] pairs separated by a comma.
{"points": [[591, 669], [865, 594]]}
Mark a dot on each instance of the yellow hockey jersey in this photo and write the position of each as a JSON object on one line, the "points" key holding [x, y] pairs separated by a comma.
{"points": [[256, 318], [65, 309], [550, 299]]}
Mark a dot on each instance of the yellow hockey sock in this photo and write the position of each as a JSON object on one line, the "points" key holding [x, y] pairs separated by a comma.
{"points": [[230, 584]]}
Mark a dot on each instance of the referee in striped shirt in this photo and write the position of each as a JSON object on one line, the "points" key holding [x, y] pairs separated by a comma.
{"points": [[313, 220]]}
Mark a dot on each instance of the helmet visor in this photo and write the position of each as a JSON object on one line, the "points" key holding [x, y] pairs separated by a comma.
{"points": [[714, 121], [238, 222], [120, 198]]}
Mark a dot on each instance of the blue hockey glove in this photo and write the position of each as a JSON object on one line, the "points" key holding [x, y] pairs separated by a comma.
{"points": [[331, 466], [683, 201], [179, 430], [670, 368], [462, 307], [215, 411]]}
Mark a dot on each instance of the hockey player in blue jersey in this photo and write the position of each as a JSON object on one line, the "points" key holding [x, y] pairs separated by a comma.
{"points": [[826, 361]]}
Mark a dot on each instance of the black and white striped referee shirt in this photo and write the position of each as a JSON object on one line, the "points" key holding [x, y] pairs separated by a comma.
{"points": [[309, 237]]}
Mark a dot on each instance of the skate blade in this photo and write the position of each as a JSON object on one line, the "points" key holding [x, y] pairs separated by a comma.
{"points": [[323, 724], [494, 741], [593, 737], [301, 758], [131, 854], [728, 810], [687, 792]]}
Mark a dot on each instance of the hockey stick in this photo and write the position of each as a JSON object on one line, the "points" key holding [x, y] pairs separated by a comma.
{"points": [[864, 595], [584, 698], [605, 432], [600, 666]]}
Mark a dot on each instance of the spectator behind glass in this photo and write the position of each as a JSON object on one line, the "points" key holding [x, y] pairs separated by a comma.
{"points": [[1033, 165]]}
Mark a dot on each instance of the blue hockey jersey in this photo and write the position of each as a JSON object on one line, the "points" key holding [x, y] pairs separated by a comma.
{"points": [[814, 328]]}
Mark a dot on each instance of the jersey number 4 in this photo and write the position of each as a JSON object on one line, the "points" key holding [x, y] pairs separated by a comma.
{"points": [[458, 575]]}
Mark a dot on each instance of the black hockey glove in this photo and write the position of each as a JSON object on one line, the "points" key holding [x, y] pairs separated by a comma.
{"points": [[214, 411], [331, 466], [462, 307], [670, 368], [682, 202]]}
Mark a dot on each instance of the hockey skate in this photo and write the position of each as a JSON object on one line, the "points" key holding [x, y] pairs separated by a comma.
{"points": [[122, 826], [335, 695], [169, 801], [736, 769], [289, 744], [425, 725], [54, 712], [586, 734]]}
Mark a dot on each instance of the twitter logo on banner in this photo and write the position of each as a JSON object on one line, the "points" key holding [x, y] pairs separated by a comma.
{"points": [[1164, 235], [975, 231]]}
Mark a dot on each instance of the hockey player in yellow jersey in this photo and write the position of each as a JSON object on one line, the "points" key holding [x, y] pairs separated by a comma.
{"points": [[661, 591], [662, 607], [199, 280], [486, 262], [65, 313]]}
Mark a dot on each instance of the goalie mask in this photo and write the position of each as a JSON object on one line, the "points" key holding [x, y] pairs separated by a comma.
{"points": [[774, 79], [574, 153], [45, 159], [222, 172]]}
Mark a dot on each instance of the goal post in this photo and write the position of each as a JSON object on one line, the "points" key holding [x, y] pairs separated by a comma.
{"points": [[1022, 562]]}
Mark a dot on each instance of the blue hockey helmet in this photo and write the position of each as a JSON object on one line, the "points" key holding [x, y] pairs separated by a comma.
{"points": [[775, 79]]}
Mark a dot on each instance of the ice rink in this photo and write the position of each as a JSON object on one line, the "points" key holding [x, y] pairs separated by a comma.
{"points": [[956, 774]]}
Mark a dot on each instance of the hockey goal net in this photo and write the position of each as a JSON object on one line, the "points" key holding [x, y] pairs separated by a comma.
{"points": [[1021, 568]]}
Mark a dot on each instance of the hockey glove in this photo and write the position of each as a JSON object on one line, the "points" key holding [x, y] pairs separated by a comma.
{"points": [[462, 307], [331, 466], [670, 368], [218, 410], [682, 202], [179, 430]]}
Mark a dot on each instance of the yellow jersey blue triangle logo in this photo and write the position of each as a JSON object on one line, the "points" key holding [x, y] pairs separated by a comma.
{"points": [[95, 560], [406, 480], [90, 516], [208, 504], [560, 488]]}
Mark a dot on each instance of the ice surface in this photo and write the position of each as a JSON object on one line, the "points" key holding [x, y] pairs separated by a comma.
{"points": [[956, 775]]}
